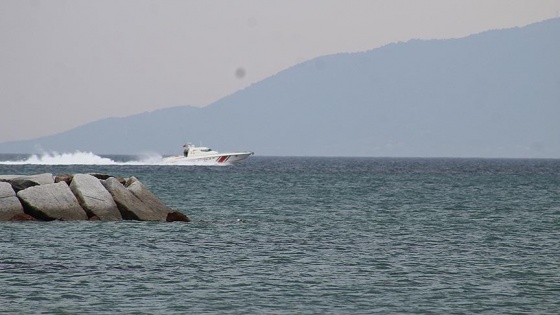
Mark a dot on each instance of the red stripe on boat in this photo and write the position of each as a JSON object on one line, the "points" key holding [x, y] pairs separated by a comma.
{"points": [[223, 158]]}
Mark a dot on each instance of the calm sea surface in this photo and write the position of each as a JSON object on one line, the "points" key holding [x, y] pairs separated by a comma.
{"points": [[302, 236]]}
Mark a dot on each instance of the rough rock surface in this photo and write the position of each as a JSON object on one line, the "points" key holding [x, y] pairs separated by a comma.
{"points": [[41, 179], [51, 202], [9, 202], [21, 183], [22, 217], [79, 196], [105, 176], [64, 178], [94, 198], [177, 216], [101, 176], [130, 206], [5, 178], [140, 191]]}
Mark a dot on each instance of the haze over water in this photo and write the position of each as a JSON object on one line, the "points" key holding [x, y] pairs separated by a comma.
{"points": [[302, 235]]}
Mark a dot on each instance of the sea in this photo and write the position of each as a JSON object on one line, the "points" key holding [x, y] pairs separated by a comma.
{"points": [[298, 235]]}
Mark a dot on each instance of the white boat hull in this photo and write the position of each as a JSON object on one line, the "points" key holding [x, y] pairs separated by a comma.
{"points": [[215, 159]]}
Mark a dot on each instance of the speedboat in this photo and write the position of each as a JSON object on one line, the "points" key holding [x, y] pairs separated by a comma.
{"points": [[193, 155]]}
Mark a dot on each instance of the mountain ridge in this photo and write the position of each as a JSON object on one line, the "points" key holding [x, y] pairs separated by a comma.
{"points": [[492, 94]]}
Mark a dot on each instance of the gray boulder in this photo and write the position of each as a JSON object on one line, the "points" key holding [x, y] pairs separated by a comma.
{"points": [[177, 216], [139, 190], [21, 183], [41, 179], [9, 203], [130, 206], [94, 198], [105, 176], [5, 178], [22, 217], [52, 202], [64, 178]]}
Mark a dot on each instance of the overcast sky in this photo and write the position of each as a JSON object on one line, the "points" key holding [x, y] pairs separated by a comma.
{"points": [[67, 63]]}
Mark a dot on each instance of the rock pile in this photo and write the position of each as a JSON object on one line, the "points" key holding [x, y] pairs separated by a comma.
{"points": [[68, 197]]}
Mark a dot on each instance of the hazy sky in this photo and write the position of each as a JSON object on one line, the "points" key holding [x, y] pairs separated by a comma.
{"points": [[67, 63]]}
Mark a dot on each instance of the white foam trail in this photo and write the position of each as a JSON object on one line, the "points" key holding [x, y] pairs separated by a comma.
{"points": [[89, 158], [54, 158]]}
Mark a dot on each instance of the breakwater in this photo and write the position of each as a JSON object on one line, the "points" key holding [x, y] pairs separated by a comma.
{"points": [[68, 197]]}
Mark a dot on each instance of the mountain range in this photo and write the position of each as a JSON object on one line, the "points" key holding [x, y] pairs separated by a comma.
{"points": [[493, 94]]}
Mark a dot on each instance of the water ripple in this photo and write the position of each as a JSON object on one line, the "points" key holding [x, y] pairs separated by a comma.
{"points": [[354, 236]]}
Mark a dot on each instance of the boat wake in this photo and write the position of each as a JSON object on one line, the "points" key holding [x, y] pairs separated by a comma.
{"points": [[89, 158]]}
